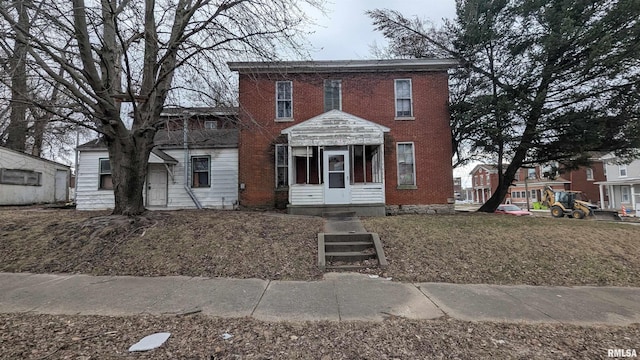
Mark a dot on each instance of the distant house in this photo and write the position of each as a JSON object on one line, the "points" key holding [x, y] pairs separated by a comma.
{"points": [[622, 185], [484, 182], [529, 183], [368, 136], [27, 179], [199, 173]]}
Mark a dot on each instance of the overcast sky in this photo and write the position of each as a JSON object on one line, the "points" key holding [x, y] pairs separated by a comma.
{"points": [[346, 33]]}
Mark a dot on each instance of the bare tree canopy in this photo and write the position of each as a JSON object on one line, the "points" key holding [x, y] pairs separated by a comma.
{"points": [[541, 80], [101, 53]]}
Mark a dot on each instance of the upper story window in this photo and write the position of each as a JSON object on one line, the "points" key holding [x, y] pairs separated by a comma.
{"points": [[332, 95], [284, 99], [403, 98], [622, 170], [589, 173], [200, 169], [531, 173], [210, 124], [406, 165], [104, 171], [282, 165]]}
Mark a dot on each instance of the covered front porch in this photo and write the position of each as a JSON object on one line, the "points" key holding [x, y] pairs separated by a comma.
{"points": [[335, 163]]}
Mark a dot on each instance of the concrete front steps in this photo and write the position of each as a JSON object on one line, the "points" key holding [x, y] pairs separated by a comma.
{"points": [[350, 251]]}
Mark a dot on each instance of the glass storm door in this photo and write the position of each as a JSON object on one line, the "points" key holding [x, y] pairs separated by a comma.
{"points": [[336, 175]]}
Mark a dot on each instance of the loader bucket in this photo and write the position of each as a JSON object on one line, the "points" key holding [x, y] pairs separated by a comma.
{"points": [[611, 215]]}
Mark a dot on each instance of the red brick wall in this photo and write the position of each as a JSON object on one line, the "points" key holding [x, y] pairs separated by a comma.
{"points": [[367, 95], [579, 180]]}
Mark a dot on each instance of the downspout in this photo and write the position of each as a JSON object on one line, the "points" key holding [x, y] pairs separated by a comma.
{"points": [[185, 147]]}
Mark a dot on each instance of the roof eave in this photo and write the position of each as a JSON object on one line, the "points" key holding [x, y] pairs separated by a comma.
{"points": [[413, 65]]}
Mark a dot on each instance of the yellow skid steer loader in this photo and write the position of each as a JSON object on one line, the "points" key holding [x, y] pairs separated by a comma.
{"points": [[572, 203]]}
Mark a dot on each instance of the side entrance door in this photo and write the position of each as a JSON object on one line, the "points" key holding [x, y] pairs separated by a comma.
{"points": [[336, 174], [157, 185]]}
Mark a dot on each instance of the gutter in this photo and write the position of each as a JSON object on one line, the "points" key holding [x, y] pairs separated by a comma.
{"points": [[185, 131]]}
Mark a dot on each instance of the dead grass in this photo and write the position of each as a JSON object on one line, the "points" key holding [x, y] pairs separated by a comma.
{"points": [[468, 248], [497, 249], [30, 336]]}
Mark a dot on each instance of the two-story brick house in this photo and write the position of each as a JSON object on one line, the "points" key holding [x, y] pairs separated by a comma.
{"points": [[484, 182], [370, 136]]}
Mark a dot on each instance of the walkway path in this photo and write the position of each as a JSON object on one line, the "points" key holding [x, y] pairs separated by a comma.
{"points": [[339, 297]]}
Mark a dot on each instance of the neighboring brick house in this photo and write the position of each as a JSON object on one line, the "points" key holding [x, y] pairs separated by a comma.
{"points": [[529, 183], [622, 185], [484, 182], [370, 136]]}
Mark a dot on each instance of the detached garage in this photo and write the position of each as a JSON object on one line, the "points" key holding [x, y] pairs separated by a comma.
{"points": [[26, 179]]}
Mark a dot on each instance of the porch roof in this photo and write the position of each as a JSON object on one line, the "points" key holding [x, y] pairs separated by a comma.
{"points": [[160, 157], [335, 128]]}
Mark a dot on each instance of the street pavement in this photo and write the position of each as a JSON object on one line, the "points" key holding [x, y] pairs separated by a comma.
{"points": [[338, 297]]}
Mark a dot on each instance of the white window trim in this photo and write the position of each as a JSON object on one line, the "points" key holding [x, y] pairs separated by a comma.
{"points": [[285, 165], [589, 174], [623, 193], [395, 99], [413, 155], [289, 118], [193, 171], [324, 94], [623, 167], [101, 173]]}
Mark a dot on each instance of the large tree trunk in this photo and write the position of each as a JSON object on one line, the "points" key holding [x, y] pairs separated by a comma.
{"points": [[17, 128], [129, 156]]}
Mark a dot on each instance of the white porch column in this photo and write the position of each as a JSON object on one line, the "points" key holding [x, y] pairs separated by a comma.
{"points": [[601, 189], [612, 198], [633, 198]]}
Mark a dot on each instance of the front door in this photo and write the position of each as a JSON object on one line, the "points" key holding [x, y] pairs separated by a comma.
{"points": [[336, 175], [157, 185]]}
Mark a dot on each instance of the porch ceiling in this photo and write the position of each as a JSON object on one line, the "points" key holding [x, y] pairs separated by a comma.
{"points": [[335, 128]]}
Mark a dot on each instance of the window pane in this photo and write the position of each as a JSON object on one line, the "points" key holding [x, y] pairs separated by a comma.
{"points": [[281, 155], [284, 109], [105, 166], [106, 182], [284, 90], [281, 180], [336, 163], [332, 94], [336, 180], [406, 174], [200, 164]]}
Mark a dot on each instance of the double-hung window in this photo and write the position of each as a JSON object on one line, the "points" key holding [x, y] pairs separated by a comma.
{"points": [[200, 170], [589, 173], [332, 95], [625, 194], [622, 170], [284, 100], [406, 165], [282, 165], [104, 171], [403, 98]]}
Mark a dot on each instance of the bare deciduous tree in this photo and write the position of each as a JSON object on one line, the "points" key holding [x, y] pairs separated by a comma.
{"points": [[121, 50]]}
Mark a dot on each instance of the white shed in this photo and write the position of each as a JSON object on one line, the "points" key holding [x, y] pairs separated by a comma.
{"points": [[26, 179]]}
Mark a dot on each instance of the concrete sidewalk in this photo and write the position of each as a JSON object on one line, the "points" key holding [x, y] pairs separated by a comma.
{"points": [[339, 297]]}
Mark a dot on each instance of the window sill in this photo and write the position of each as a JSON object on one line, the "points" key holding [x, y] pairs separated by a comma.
{"points": [[284, 120], [404, 118], [407, 187]]}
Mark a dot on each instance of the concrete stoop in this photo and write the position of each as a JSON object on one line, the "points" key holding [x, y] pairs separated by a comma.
{"points": [[350, 251]]}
